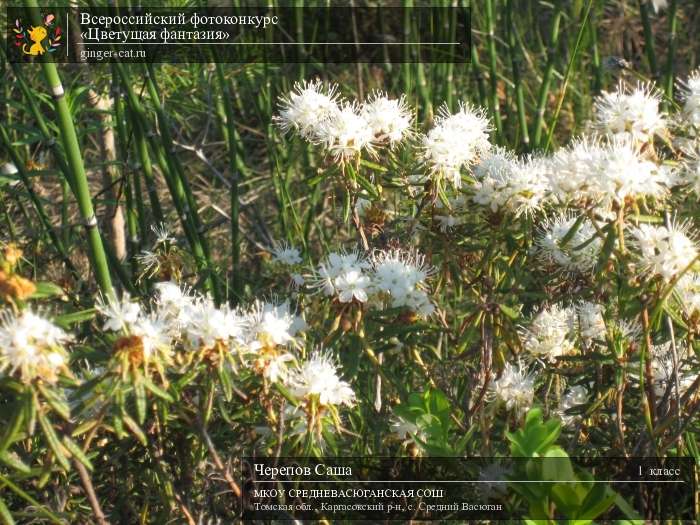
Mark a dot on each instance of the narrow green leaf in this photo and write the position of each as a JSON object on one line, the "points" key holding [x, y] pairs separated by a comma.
{"points": [[53, 441], [11, 460], [77, 452]]}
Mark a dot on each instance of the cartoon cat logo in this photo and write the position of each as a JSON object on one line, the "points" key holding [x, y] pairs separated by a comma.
{"points": [[30, 41], [36, 35]]}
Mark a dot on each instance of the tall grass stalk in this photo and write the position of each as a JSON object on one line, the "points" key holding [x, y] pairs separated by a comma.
{"points": [[175, 186], [75, 162], [516, 60], [36, 202], [544, 90], [567, 74], [226, 95], [648, 38], [494, 105], [671, 56]]}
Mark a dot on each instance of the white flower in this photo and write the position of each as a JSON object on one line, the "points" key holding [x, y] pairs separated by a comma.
{"points": [[149, 261], [345, 134], [120, 315], [503, 182], [298, 280], [269, 325], [634, 113], [307, 107], [574, 396], [208, 325], [549, 335], [155, 332], [456, 141], [336, 264], [403, 428], [688, 290], [276, 367], [664, 251], [352, 285], [515, 387], [389, 119], [162, 233], [581, 250], [401, 275], [448, 222], [605, 174], [318, 378], [32, 346], [407, 431], [285, 254], [175, 301], [690, 171], [590, 321], [690, 93]]}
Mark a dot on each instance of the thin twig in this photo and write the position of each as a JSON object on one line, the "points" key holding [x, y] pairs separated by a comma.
{"points": [[90, 493]]}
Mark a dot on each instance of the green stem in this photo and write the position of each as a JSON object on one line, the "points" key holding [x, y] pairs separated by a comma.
{"points": [[225, 89], [547, 76], [516, 59], [671, 57], [494, 106], [648, 37], [75, 163], [567, 75]]}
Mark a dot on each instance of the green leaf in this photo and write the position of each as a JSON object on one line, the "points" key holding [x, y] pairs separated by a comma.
{"points": [[5, 514], [12, 461], [46, 289], [53, 441], [13, 427], [626, 508], [67, 320], [59, 405], [140, 393], [77, 452], [156, 390], [509, 312], [600, 498], [135, 429]]}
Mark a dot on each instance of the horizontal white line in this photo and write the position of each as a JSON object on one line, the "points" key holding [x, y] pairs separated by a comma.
{"points": [[469, 481], [271, 43]]}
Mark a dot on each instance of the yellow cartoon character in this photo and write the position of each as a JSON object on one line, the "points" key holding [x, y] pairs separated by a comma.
{"points": [[36, 35]]}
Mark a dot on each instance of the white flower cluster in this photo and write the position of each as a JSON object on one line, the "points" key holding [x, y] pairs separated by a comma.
{"points": [[285, 254], [609, 170], [456, 141], [554, 331], [605, 174], [196, 323], [664, 251], [263, 336], [394, 277], [568, 244], [550, 333], [506, 183], [632, 113], [688, 290], [515, 387], [31, 346], [690, 92], [317, 378], [344, 128]]}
